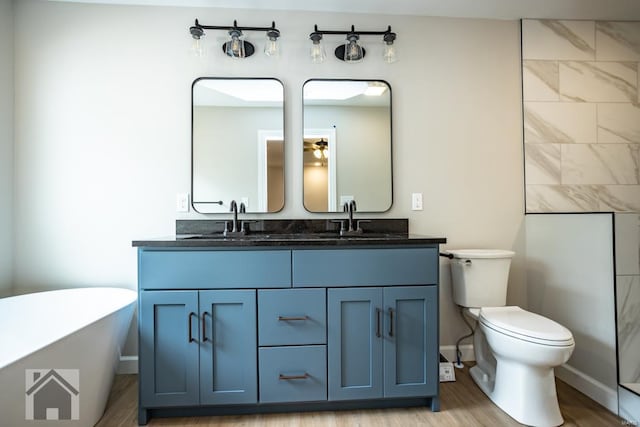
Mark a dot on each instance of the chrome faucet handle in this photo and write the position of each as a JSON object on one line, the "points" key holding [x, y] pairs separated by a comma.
{"points": [[341, 222], [226, 224], [243, 223], [361, 221]]}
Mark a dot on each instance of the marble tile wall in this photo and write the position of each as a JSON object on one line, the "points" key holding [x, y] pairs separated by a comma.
{"points": [[627, 238], [581, 115]]}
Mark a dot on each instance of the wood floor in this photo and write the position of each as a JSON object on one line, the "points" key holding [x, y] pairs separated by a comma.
{"points": [[462, 404]]}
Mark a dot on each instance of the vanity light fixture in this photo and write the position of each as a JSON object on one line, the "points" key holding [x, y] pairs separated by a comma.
{"points": [[236, 47], [351, 50]]}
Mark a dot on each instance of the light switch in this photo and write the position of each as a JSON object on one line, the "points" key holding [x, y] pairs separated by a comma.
{"points": [[416, 201], [182, 202]]}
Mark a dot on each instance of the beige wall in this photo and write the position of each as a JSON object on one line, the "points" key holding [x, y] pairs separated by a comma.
{"points": [[103, 130], [6, 146]]}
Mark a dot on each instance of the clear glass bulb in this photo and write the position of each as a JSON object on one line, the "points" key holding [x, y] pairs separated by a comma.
{"points": [[389, 53], [317, 154], [272, 47], [235, 46], [318, 54], [197, 48], [352, 50]]}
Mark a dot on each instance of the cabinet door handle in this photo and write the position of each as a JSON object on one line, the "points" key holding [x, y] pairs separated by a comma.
{"points": [[191, 339], [293, 377], [390, 321], [288, 318], [204, 327], [378, 322]]}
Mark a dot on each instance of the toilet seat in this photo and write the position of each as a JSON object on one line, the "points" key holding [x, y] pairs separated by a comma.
{"points": [[523, 325]]}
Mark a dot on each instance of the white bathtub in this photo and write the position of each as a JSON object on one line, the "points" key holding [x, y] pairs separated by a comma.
{"points": [[73, 329]]}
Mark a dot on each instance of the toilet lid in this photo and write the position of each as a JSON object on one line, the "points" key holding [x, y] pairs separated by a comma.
{"points": [[525, 325]]}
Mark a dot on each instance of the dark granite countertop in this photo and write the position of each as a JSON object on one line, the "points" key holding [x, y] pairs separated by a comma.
{"points": [[187, 240], [280, 233]]}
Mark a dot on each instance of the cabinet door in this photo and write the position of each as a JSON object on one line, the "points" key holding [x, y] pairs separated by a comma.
{"points": [[228, 348], [411, 341], [168, 348], [354, 366]]}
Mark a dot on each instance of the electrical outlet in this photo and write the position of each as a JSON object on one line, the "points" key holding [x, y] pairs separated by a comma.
{"points": [[416, 201], [447, 372], [345, 200], [182, 202]]}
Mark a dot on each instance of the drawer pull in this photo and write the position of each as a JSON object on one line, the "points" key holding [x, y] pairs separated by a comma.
{"points": [[191, 339], [293, 377], [289, 318]]}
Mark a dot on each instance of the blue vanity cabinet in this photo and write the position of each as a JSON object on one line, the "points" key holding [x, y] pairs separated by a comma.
{"points": [[411, 351], [168, 348], [228, 349], [198, 347], [382, 342], [354, 342], [287, 327]]}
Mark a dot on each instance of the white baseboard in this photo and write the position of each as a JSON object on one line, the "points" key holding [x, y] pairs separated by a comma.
{"points": [[593, 388], [127, 365], [449, 352]]}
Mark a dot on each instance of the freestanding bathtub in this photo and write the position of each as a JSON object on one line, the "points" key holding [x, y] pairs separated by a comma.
{"points": [[59, 349]]}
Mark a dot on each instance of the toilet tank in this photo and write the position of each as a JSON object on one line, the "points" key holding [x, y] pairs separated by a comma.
{"points": [[480, 276]]}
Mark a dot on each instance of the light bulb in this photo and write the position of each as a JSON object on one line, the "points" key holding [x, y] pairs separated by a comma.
{"points": [[389, 53], [352, 50], [197, 48], [317, 53], [271, 46], [317, 154], [235, 46]]}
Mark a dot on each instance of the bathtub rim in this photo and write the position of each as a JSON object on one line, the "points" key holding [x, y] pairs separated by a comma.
{"points": [[47, 343]]}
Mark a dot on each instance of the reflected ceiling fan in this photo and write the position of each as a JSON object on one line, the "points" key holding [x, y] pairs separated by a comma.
{"points": [[320, 148]]}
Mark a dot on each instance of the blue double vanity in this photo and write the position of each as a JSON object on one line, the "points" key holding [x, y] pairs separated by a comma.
{"points": [[277, 322]]}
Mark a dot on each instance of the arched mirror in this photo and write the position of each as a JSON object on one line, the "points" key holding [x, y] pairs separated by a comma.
{"points": [[237, 144], [347, 145]]}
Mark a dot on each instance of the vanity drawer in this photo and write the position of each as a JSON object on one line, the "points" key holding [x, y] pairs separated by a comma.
{"points": [[292, 316], [211, 269], [293, 374], [365, 267]]}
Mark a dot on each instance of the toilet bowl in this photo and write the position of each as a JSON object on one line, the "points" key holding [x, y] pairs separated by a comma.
{"points": [[516, 351], [519, 377]]}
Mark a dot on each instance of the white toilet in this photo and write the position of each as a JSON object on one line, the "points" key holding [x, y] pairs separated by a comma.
{"points": [[515, 350]]}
